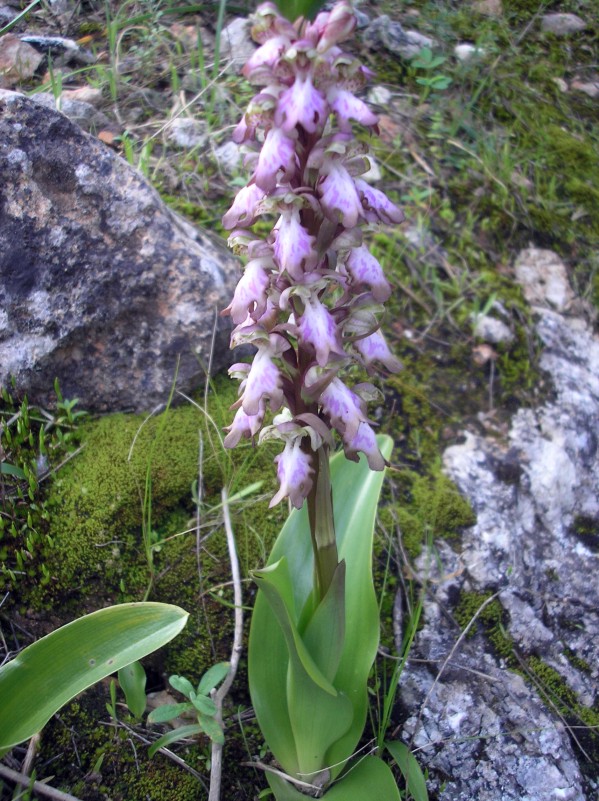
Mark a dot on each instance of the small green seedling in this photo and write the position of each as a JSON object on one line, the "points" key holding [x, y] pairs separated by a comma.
{"points": [[199, 703], [425, 60], [133, 683]]}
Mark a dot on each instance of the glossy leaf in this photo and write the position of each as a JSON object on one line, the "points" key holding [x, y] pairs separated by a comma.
{"points": [[132, 679], [318, 715], [410, 769], [356, 492], [368, 779], [47, 674]]}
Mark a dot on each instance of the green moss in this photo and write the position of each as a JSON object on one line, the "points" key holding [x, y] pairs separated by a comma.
{"points": [[586, 529], [492, 620], [426, 507]]}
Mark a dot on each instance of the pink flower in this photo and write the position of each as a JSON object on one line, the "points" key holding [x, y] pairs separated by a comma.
{"points": [[377, 205], [303, 105], [243, 211], [277, 155], [375, 348], [344, 408], [243, 425], [340, 26], [318, 328], [293, 247], [338, 195], [263, 381], [251, 292], [265, 57], [365, 269], [348, 107], [294, 469], [365, 441]]}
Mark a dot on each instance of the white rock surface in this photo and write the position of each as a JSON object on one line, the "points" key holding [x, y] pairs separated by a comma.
{"points": [[562, 24]]}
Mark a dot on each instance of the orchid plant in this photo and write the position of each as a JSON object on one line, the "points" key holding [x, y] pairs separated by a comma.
{"points": [[310, 301]]}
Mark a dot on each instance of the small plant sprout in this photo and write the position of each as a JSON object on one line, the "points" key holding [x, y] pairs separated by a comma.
{"points": [[199, 704]]}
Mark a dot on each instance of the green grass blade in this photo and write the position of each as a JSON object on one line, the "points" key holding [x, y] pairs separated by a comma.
{"points": [[47, 674]]}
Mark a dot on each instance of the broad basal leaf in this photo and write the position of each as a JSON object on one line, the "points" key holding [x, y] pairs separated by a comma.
{"points": [[47, 674]]}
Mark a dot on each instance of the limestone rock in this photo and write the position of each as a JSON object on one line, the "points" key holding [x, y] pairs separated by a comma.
{"points": [[562, 24], [535, 546], [544, 279], [100, 284]]}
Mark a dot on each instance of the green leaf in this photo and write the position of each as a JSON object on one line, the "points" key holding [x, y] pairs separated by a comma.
{"points": [[292, 9], [213, 677], [162, 714], [318, 715], [174, 737], [183, 685], [11, 470], [368, 778], [356, 491], [47, 674], [213, 729], [204, 705], [410, 769], [132, 679]]}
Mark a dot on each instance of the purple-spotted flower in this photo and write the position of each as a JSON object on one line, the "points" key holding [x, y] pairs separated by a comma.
{"points": [[310, 296]]}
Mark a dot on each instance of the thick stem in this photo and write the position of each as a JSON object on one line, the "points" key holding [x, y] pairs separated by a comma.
{"points": [[322, 525]]}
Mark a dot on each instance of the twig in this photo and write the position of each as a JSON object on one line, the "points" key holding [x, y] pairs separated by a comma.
{"points": [[37, 787], [30, 755], [220, 695]]}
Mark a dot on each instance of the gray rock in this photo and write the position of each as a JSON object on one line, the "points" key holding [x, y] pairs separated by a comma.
{"points": [[100, 284], [562, 24], [236, 45], [492, 330], [78, 111], [18, 60], [67, 50], [228, 157], [383, 32], [485, 733], [544, 278], [379, 95], [7, 14], [187, 132]]}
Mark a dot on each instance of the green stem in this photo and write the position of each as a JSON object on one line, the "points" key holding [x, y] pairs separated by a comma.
{"points": [[322, 525]]}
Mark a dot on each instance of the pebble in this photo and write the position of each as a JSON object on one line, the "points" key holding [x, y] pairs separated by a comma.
{"points": [[466, 51], [236, 45], [562, 24], [18, 60], [488, 8], [187, 132], [492, 330], [590, 88], [392, 36], [228, 157], [379, 96]]}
